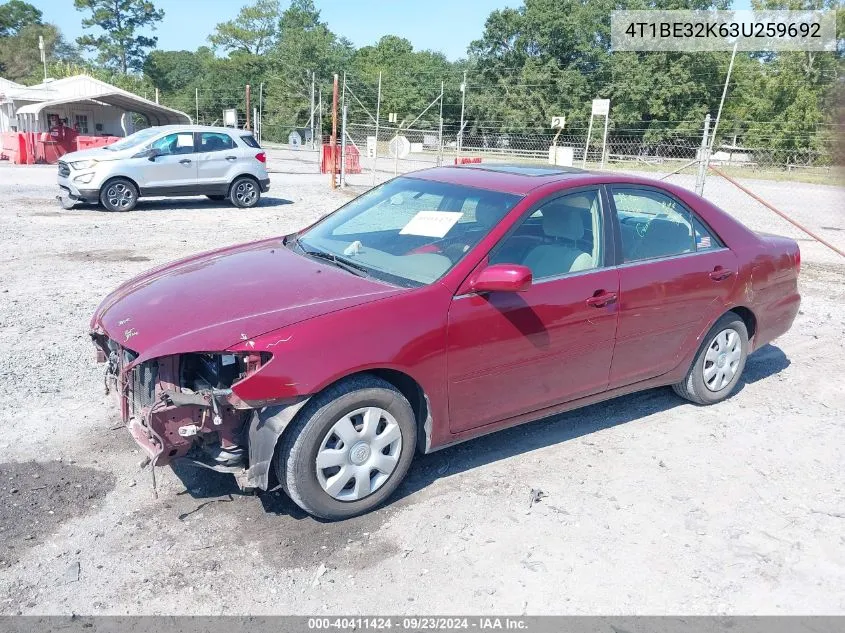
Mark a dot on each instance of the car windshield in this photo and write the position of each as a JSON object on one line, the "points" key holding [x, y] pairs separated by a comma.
{"points": [[407, 231], [134, 139]]}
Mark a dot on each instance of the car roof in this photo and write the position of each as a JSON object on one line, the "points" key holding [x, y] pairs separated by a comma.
{"points": [[520, 179], [201, 128]]}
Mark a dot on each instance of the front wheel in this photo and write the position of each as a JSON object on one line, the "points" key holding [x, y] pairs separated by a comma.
{"points": [[718, 363], [244, 192], [119, 194], [348, 449]]}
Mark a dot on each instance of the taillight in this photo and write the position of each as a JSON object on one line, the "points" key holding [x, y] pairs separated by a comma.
{"points": [[261, 157]]}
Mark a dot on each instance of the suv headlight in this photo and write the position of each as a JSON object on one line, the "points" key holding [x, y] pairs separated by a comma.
{"points": [[83, 164]]}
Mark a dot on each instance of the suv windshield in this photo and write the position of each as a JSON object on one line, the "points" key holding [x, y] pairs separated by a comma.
{"points": [[134, 139], [407, 231]]}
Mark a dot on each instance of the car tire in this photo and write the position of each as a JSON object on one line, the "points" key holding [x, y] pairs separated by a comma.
{"points": [[119, 194], [380, 430], [245, 192], [718, 364], [215, 197]]}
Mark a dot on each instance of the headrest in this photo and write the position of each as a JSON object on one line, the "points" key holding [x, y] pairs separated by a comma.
{"points": [[563, 218], [487, 213]]}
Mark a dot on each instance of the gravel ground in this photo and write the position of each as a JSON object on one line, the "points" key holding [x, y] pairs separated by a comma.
{"points": [[651, 505]]}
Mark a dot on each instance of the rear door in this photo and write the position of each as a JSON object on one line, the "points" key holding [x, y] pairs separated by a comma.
{"points": [[174, 171], [217, 154], [674, 277]]}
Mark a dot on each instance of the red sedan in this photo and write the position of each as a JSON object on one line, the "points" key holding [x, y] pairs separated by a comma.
{"points": [[435, 308]]}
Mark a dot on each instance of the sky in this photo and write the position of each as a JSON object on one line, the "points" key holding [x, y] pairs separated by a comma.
{"points": [[442, 25]]}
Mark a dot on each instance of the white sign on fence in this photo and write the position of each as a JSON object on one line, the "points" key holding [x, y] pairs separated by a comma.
{"points": [[601, 107], [371, 146], [230, 118]]}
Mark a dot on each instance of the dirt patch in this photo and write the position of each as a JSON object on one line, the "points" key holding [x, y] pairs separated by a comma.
{"points": [[37, 497], [269, 523], [106, 255]]}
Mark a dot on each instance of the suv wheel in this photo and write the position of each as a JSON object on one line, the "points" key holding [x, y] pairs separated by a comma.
{"points": [[119, 194], [244, 192], [348, 449]]}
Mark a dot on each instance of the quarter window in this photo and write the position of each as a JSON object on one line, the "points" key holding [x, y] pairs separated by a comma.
{"points": [[704, 238], [563, 236], [652, 224], [215, 142]]}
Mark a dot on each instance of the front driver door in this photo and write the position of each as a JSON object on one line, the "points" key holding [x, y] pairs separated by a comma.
{"points": [[174, 171], [513, 353]]}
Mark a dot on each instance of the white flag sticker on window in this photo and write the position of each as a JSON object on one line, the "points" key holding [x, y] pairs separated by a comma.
{"points": [[431, 223]]}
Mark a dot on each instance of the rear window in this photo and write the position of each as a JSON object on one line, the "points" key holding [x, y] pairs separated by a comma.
{"points": [[250, 140]]}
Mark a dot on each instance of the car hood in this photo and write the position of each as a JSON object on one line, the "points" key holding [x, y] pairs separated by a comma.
{"points": [[96, 153], [215, 300]]}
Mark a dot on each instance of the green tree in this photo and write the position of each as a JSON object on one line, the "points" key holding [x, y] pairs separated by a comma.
{"points": [[15, 15], [20, 58], [252, 31], [119, 46]]}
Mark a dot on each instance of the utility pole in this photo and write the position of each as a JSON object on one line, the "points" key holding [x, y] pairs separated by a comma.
{"points": [[333, 151], [247, 108], [197, 102], [378, 109], [43, 54], [463, 99], [313, 81]]}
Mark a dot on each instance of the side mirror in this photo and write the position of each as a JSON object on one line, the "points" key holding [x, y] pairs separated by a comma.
{"points": [[150, 154], [503, 278]]}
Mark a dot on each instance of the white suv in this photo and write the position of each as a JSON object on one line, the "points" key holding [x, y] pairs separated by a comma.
{"points": [[173, 160]]}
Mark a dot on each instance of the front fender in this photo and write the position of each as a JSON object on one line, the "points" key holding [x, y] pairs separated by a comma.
{"points": [[265, 429]]}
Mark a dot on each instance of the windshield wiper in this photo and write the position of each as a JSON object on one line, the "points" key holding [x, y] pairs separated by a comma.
{"points": [[340, 262]]}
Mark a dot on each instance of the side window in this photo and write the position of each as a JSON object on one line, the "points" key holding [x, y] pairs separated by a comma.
{"points": [[214, 142], [704, 238], [563, 236], [652, 224], [179, 143]]}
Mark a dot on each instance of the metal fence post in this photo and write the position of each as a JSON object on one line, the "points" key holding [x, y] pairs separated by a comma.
{"points": [[461, 130], [703, 158], [343, 148], [440, 135], [378, 110]]}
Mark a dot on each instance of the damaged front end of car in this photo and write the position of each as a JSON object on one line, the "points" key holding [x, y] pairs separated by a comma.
{"points": [[182, 408]]}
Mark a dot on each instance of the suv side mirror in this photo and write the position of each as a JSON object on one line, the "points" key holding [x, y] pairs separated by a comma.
{"points": [[150, 154], [503, 278]]}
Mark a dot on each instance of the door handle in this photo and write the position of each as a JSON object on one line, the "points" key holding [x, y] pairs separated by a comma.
{"points": [[230, 158], [720, 274], [601, 299], [185, 161]]}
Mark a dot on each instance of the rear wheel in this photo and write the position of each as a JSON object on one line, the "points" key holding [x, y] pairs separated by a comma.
{"points": [[216, 198], [244, 192], [718, 363], [119, 194], [348, 449]]}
